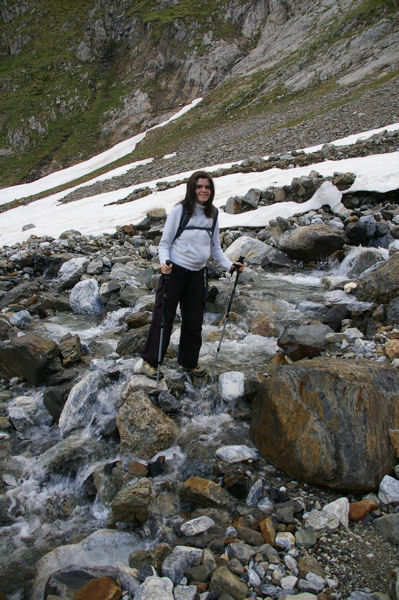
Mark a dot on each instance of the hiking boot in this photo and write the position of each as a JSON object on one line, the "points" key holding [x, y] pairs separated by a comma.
{"points": [[150, 371], [197, 371]]}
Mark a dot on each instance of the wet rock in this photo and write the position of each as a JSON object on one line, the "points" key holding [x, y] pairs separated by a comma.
{"points": [[78, 407], [344, 452], [26, 411], [382, 284], [363, 261], [103, 588], [71, 271], [224, 580], [85, 299], [231, 385], [143, 428], [133, 341], [311, 242], [131, 503], [234, 454], [67, 455], [54, 399], [106, 547], [206, 493], [304, 341], [31, 357], [181, 559], [21, 319]]}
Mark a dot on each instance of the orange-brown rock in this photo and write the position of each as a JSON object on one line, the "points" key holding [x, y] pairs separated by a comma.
{"points": [[262, 325], [99, 589], [137, 468], [205, 493], [359, 510], [326, 421], [268, 530], [391, 349]]}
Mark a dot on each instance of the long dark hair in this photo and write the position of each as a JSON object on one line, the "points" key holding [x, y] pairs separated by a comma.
{"points": [[191, 198]]}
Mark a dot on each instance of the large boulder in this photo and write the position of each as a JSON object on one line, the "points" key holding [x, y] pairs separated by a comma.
{"points": [[31, 357], [311, 242], [382, 284], [327, 421], [254, 251], [304, 341], [78, 408], [71, 271], [143, 428], [85, 298], [103, 548]]}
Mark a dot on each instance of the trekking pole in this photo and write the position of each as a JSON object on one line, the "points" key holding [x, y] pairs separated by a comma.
{"points": [[241, 260], [165, 295]]}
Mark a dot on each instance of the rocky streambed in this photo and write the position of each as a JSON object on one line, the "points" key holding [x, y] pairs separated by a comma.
{"points": [[276, 477]]}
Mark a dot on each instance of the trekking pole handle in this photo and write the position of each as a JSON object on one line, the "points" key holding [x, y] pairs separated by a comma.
{"points": [[240, 260]]}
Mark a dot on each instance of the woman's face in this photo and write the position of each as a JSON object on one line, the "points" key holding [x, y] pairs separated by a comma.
{"points": [[202, 190]]}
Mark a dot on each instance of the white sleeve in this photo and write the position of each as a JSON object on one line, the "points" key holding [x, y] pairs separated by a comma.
{"points": [[216, 251], [169, 232]]}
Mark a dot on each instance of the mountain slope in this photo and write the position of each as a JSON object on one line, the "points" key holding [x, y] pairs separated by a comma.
{"points": [[79, 77]]}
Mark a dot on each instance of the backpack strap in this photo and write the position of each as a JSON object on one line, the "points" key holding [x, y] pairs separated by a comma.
{"points": [[184, 219]]}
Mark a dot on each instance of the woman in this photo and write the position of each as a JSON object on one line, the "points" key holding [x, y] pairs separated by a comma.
{"points": [[183, 256]]}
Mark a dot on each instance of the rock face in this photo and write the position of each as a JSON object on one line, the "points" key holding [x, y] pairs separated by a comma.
{"points": [[31, 357], [144, 429], [311, 242], [382, 284], [327, 421]]}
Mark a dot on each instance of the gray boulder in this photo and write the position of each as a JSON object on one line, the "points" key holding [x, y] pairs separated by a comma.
{"points": [[78, 407], [255, 251], [85, 298], [304, 341], [311, 242], [71, 271], [327, 421]]}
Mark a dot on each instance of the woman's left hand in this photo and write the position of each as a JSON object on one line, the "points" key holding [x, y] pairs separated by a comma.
{"points": [[237, 266]]}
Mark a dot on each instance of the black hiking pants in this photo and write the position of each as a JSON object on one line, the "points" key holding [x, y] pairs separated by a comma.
{"points": [[186, 287]]}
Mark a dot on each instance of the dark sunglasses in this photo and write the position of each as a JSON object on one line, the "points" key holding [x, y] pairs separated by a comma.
{"points": [[199, 187]]}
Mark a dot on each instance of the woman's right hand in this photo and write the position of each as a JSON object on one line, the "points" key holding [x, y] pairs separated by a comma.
{"points": [[166, 269]]}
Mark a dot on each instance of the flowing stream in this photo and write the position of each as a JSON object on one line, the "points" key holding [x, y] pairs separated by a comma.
{"points": [[50, 498]]}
